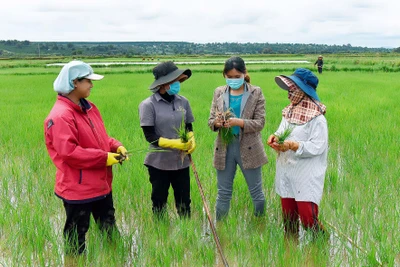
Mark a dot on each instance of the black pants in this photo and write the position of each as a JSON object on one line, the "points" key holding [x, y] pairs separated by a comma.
{"points": [[319, 69], [161, 181], [78, 220]]}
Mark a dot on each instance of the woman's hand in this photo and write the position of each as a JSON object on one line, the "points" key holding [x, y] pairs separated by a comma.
{"points": [[273, 142], [287, 145], [218, 122], [234, 122], [290, 145]]}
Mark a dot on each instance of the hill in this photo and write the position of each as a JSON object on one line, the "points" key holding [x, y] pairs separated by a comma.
{"points": [[16, 48]]}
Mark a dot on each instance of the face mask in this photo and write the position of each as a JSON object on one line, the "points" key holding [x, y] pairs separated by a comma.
{"points": [[295, 95], [174, 88], [235, 83]]}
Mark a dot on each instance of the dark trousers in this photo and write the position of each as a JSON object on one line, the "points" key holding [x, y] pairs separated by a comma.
{"points": [[319, 69], [161, 181], [78, 220]]}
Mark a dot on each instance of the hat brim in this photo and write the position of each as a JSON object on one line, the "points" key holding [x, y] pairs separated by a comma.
{"points": [[172, 76], [94, 77], [307, 89]]}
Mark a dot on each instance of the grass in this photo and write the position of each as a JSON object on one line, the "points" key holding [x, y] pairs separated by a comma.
{"points": [[282, 136], [226, 133], [360, 195]]}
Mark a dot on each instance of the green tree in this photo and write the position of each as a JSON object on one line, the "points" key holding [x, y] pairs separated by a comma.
{"points": [[267, 50]]}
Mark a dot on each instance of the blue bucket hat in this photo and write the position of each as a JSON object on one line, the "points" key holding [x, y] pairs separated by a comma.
{"points": [[304, 79], [64, 83]]}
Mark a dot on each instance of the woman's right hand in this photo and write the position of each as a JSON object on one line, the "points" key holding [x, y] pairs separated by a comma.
{"points": [[218, 123], [273, 142], [272, 139], [112, 158]]}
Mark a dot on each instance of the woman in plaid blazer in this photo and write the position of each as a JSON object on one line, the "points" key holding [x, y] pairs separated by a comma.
{"points": [[238, 110]]}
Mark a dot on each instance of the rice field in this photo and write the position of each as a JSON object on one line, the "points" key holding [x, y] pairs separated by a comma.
{"points": [[360, 206]]}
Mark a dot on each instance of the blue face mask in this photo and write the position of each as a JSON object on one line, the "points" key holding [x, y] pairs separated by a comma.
{"points": [[235, 83], [174, 88]]}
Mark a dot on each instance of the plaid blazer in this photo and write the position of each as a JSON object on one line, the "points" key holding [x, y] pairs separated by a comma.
{"points": [[253, 113]]}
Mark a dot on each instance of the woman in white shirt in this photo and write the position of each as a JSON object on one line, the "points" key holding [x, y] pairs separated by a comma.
{"points": [[302, 158]]}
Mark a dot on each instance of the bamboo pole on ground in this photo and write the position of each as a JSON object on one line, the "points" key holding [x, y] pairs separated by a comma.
{"points": [[214, 231]]}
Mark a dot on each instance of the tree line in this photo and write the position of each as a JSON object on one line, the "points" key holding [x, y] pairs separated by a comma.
{"points": [[17, 48]]}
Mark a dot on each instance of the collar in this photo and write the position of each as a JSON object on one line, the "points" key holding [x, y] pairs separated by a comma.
{"points": [[159, 97], [83, 107], [247, 87], [247, 90]]}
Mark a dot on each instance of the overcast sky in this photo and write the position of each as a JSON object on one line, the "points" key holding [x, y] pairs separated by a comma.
{"points": [[371, 23]]}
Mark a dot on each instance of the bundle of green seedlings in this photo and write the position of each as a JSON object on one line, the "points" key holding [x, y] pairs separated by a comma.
{"points": [[282, 136], [183, 134], [121, 157], [226, 132], [182, 131]]}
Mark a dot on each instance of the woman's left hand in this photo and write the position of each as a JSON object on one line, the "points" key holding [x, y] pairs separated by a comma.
{"points": [[233, 122], [288, 145], [123, 152], [284, 147]]}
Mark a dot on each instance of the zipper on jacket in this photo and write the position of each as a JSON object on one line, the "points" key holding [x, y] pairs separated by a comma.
{"points": [[95, 132], [80, 176]]}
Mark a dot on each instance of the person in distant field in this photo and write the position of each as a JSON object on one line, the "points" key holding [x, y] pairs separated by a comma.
{"points": [[83, 154], [246, 150], [161, 114], [319, 63], [302, 158]]}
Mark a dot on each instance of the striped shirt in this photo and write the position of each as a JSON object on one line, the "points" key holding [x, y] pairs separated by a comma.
{"points": [[300, 174]]}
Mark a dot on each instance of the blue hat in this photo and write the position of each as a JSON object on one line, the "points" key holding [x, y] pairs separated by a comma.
{"points": [[304, 79], [76, 69]]}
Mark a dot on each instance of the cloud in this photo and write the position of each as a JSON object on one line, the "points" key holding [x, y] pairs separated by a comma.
{"points": [[360, 23]]}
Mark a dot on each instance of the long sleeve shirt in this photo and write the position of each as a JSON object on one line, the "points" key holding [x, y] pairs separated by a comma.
{"points": [[319, 63], [300, 174]]}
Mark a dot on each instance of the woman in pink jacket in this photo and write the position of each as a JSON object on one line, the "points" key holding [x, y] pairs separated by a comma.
{"points": [[83, 154]]}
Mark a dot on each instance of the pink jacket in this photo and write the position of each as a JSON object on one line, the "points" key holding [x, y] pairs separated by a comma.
{"points": [[77, 142]]}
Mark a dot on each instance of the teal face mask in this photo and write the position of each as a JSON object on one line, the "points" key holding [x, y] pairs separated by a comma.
{"points": [[174, 88], [235, 83]]}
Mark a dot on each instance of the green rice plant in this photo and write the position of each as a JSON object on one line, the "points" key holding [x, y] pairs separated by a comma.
{"points": [[226, 132], [227, 135], [183, 134], [121, 157], [355, 202], [282, 136], [182, 131]]}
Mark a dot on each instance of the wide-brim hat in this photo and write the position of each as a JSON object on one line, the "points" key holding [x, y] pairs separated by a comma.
{"points": [[305, 79], [167, 72]]}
